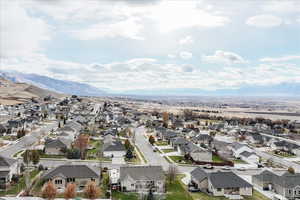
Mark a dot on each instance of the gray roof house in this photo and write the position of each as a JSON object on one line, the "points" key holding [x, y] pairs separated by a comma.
{"points": [[8, 167], [220, 183], [79, 174], [113, 148], [287, 184], [142, 179], [56, 146]]}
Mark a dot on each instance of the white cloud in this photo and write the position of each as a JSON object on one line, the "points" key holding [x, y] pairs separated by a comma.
{"points": [[264, 21], [281, 59], [282, 6], [185, 55], [224, 57], [186, 40], [21, 34], [184, 14], [137, 73], [172, 56], [129, 28]]}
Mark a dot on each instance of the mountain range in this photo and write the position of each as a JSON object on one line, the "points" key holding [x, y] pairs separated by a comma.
{"points": [[56, 85], [82, 89]]}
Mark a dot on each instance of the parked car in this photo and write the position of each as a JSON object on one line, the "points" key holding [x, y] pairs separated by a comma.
{"points": [[208, 166]]}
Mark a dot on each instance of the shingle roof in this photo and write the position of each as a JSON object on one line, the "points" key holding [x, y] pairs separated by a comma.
{"points": [[113, 146], [142, 173], [247, 154], [227, 180], [71, 171], [6, 162], [286, 180], [199, 174]]}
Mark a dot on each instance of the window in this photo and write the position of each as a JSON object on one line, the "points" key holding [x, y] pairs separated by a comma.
{"points": [[92, 179], [219, 189], [70, 180], [57, 182]]}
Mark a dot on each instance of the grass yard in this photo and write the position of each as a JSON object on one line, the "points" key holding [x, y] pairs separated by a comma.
{"points": [[176, 191], [216, 158], [167, 150], [177, 159], [124, 196], [239, 161], [161, 143], [256, 196], [17, 188]]}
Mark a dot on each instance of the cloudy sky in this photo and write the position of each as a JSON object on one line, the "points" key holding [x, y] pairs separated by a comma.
{"points": [[139, 44]]}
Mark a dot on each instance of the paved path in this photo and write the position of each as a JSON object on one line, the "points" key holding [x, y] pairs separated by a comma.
{"points": [[27, 140], [153, 158]]}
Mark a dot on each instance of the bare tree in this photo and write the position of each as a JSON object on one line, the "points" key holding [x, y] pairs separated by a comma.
{"points": [[91, 190], [70, 191], [165, 119], [171, 173], [82, 143], [49, 191], [291, 170]]}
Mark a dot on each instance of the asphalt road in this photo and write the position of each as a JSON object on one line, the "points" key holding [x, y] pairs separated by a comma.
{"points": [[27, 140], [153, 158]]}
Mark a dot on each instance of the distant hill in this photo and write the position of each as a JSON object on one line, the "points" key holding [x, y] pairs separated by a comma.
{"points": [[61, 86], [14, 93], [283, 89]]}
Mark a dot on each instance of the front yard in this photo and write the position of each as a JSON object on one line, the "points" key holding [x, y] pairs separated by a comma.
{"points": [[124, 196], [176, 191], [167, 150], [161, 143], [18, 187], [180, 160]]}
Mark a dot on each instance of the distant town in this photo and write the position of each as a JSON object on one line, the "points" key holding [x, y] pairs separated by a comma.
{"points": [[122, 148]]}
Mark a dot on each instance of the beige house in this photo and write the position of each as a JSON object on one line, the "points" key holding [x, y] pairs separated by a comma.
{"points": [[78, 174], [220, 183], [142, 179]]}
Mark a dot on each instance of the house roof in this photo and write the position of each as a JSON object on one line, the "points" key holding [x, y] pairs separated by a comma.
{"points": [[142, 173], [113, 146], [6, 162], [247, 154], [227, 180], [59, 143], [286, 180], [198, 174], [71, 171]]}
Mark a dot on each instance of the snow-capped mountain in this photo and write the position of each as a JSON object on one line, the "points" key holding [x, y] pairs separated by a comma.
{"points": [[61, 86]]}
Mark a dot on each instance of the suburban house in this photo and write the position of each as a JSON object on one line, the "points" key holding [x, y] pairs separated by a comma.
{"points": [[142, 179], [220, 183], [57, 146], [249, 157], [195, 152], [78, 174], [113, 148], [8, 167], [238, 148], [286, 184]]}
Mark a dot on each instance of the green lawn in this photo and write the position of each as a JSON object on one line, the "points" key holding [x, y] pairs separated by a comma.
{"points": [[124, 196], [161, 143], [180, 158], [176, 191], [167, 150], [239, 161], [18, 153], [256, 196], [216, 158], [17, 188], [142, 155], [51, 156]]}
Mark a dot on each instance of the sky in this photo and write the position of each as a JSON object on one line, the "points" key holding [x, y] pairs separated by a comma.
{"points": [[151, 44]]}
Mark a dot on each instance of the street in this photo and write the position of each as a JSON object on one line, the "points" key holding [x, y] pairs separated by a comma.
{"points": [[27, 140]]}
